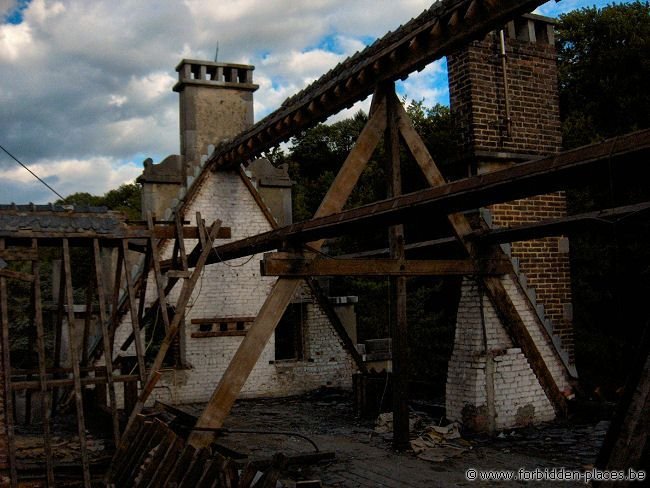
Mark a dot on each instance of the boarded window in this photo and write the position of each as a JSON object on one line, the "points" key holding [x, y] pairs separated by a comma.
{"points": [[288, 333]]}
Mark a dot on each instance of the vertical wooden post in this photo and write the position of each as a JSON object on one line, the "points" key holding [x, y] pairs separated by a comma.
{"points": [[157, 273], [108, 347], [6, 368], [87, 321], [58, 334], [115, 299], [74, 361], [282, 292], [139, 348], [42, 371], [398, 322]]}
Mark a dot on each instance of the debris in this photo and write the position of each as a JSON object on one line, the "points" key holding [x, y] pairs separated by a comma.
{"points": [[438, 444]]}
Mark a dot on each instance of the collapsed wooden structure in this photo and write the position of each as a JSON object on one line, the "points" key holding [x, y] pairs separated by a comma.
{"points": [[437, 32]]}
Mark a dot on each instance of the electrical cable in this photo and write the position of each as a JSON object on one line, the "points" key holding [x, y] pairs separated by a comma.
{"points": [[33, 174]]}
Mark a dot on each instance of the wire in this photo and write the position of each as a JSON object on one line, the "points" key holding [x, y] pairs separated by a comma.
{"points": [[32, 173]]}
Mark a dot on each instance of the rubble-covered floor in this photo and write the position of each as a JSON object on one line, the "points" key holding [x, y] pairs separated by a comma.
{"points": [[364, 457]]}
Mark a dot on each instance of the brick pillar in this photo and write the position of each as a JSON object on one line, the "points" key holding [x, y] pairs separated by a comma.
{"points": [[488, 141]]}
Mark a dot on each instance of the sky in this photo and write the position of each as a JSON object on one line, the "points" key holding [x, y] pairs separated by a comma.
{"points": [[86, 85]]}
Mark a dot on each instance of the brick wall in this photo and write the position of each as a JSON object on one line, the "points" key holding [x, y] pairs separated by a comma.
{"points": [[477, 93], [237, 289], [480, 339]]}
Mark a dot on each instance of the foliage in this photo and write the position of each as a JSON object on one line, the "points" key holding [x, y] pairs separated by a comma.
{"points": [[126, 198], [604, 70]]}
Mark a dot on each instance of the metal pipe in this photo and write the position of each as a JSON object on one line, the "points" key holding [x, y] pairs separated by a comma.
{"points": [[504, 68]]}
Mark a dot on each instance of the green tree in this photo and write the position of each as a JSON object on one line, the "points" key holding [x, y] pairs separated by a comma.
{"points": [[604, 70], [126, 198]]}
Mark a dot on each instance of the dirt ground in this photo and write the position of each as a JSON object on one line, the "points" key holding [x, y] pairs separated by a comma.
{"points": [[364, 458]]}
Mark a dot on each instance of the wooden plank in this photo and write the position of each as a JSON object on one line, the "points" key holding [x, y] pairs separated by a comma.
{"points": [[74, 360], [42, 370], [124, 449], [108, 347], [115, 298], [166, 464], [130, 287], [143, 283], [6, 368], [166, 442], [219, 333], [398, 324], [497, 294], [87, 320], [137, 449], [195, 470], [16, 275], [219, 320], [523, 180], [63, 382], [160, 285], [58, 332], [183, 299], [180, 467], [281, 264], [19, 254], [181, 242], [284, 289]]}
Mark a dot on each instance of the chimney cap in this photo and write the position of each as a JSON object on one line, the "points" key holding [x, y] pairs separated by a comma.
{"points": [[248, 67]]}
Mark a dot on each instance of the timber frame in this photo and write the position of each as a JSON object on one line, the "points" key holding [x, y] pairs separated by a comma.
{"points": [[29, 234]]}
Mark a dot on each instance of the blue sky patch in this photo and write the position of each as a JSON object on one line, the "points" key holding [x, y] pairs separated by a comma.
{"points": [[15, 16]]}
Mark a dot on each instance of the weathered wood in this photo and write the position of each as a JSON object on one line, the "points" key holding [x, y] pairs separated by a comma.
{"points": [[180, 467], [19, 254], [219, 333], [496, 292], [62, 382], [74, 360], [183, 299], [143, 283], [123, 450], [284, 289], [87, 320], [16, 275], [166, 464], [219, 320], [160, 285], [348, 82], [180, 239], [42, 370], [108, 346], [284, 264], [6, 368], [115, 298], [523, 180], [130, 287], [398, 323], [195, 469], [58, 333]]}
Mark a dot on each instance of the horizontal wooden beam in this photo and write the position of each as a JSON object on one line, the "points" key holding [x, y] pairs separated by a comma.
{"points": [[19, 254], [526, 179], [120, 232], [219, 320], [555, 227], [219, 333], [285, 264], [96, 380], [16, 275]]}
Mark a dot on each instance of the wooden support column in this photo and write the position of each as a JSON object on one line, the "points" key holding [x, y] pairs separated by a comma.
{"points": [[74, 360], [397, 314], [6, 369], [284, 289], [58, 333], [130, 287], [42, 371], [108, 346]]}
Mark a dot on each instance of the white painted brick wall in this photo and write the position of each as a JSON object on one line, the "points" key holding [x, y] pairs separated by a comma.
{"points": [[515, 385], [237, 289]]}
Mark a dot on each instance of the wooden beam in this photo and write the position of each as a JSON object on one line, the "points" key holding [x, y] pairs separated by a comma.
{"points": [[74, 359], [293, 265], [6, 380], [42, 367], [135, 320], [16, 275], [86, 381], [523, 180], [160, 285], [284, 289], [106, 338], [19, 254], [398, 323]]}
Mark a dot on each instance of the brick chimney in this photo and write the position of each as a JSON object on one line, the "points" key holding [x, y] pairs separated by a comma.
{"points": [[504, 94]]}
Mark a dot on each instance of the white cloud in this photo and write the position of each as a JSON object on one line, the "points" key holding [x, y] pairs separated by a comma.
{"points": [[91, 81]]}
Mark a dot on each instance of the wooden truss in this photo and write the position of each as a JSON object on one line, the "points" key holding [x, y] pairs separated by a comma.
{"points": [[25, 244]]}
